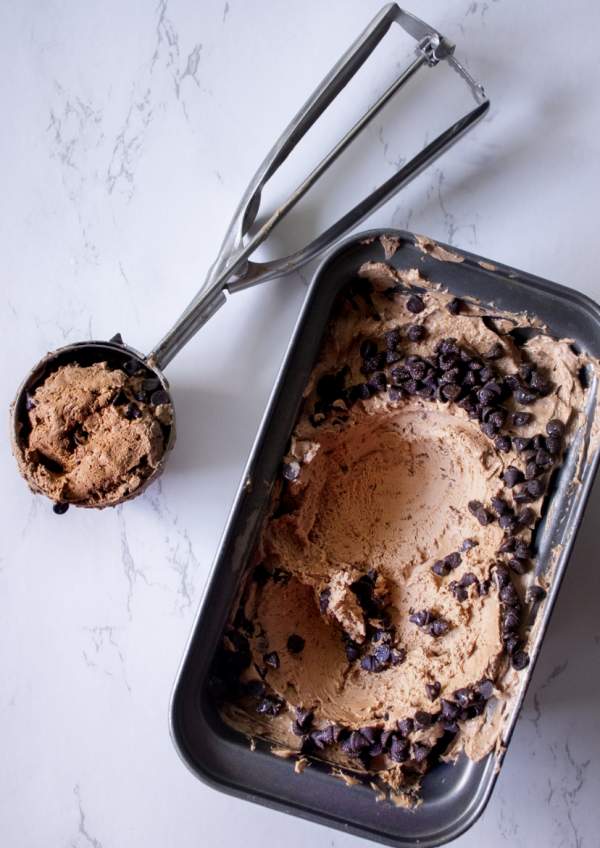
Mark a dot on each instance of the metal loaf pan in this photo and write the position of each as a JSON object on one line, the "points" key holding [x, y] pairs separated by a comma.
{"points": [[453, 795]]}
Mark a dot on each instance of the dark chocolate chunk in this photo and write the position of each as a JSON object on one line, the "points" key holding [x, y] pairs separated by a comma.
{"points": [[420, 752], [438, 627], [60, 508], [511, 643], [520, 660], [440, 568], [416, 332], [405, 726], [291, 470], [507, 546], [508, 521], [304, 717], [450, 391], [420, 618], [468, 544], [462, 696], [369, 663], [454, 306], [543, 458], [254, 688], [449, 726], [383, 654], [423, 719], [536, 593], [433, 690], [158, 397], [415, 304], [468, 579], [485, 688], [395, 393], [378, 382], [539, 383], [508, 595], [520, 419], [502, 443], [553, 445], [502, 575], [531, 469], [398, 656], [521, 443], [510, 620], [416, 369], [392, 338], [392, 356], [526, 517], [271, 705], [555, 427], [449, 709], [295, 644], [120, 398], [499, 505], [519, 566], [131, 367], [453, 560], [368, 349], [459, 592], [399, 749], [535, 488], [524, 396], [272, 659], [512, 476], [400, 374], [324, 599], [132, 412]]}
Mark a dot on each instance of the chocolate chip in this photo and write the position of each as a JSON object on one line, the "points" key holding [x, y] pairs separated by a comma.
{"points": [[131, 367], [416, 332], [536, 593], [355, 743], [295, 644], [392, 356], [519, 566], [474, 507], [509, 596], [468, 579], [420, 618], [392, 338], [522, 550], [132, 411], [395, 394], [555, 427], [324, 598], [526, 517], [502, 443], [507, 546], [539, 383], [512, 476], [383, 654], [304, 718], [272, 659], [433, 690], [459, 592], [378, 382], [438, 627], [535, 488], [511, 643], [399, 749], [120, 398], [508, 521], [511, 620], [520, 660], [554, 445], [525, 396], [368, 349], [291, 470], [485, 688], [369, 663], [270, 705], [502, 575], [520, 419], [531, 469], [398, 656], [450, 391], [374, 363], [440, 568], [450, 726], [454, 306], [423, 719], [159, 397], [60, 508], [400, 374], [449, 709], [416, 369], [484, 586], [415, 304], [405, 726], [499, 505], [468, 544], [371, 734], [463, 696], [420, 752], [484, 517], [453, 560]]}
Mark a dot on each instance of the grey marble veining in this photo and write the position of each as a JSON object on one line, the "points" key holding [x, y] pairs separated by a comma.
{"points": [[130, 132]]}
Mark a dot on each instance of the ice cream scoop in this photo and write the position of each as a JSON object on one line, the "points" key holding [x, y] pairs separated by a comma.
{"points": [[233, 269]]}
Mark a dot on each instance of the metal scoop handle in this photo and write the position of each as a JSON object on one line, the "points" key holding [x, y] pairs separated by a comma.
{"points": [[232, 269]]}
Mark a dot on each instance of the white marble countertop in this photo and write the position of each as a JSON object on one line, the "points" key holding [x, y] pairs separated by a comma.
{"points": [[131, 129]]}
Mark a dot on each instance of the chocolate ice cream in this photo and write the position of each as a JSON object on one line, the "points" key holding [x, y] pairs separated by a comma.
{"points": [[95, 434], [381, 623]]}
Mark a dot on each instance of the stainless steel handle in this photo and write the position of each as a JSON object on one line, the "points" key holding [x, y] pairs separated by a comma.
{"points": [[232, 269]]}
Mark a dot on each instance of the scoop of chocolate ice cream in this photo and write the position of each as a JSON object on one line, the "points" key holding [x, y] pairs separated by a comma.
{"points": [[95, 434]]}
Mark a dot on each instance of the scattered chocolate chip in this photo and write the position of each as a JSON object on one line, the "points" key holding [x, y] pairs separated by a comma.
{"points": [[502, 575], [405, 726], [60, 508], [324, 599], [454, 306], [368, 349], [378, 382], [291, 470], [539, 383], [295, 644], [535, 488], [304, 718], [485, 688], [132, 411], [509, 596], [449, 709], [416, 332], [254, 688], [521, 419], [519, 566], [453, 560], [526, 517], [525, 396], [468, 579], [520, 660], [433, 690], [512, 476], [508, 521], [120, 399], [399, 749], [159, 397], [398, 656], [459, 592], [392, 356], [423, 719], [555, 427], [511, 620], [415, 304], [462, 696], [438, 628], [352, 651], [499, 505], [531, 469], [468, 544], [440, 568], [554, 445], [131, 367], [420, 752], [392, 338], [536, 593], [502, 443], [420, 618], [271, 659], [511, 643], [270, 705], [450, 391]]}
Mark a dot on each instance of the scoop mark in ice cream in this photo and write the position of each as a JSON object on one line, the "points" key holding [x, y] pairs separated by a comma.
{"points": [[413, 462]]}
